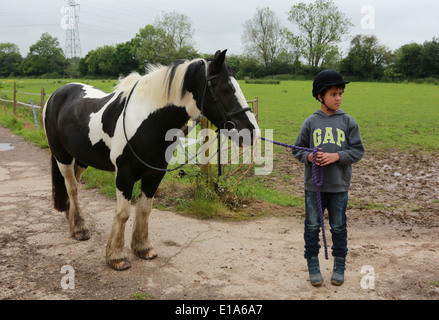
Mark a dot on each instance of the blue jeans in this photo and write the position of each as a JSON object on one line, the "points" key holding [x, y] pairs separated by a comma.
{"points": [[336, 204]]}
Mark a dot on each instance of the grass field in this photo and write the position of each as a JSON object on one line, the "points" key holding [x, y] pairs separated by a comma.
{"points": [[401, 117], [390, 115]]}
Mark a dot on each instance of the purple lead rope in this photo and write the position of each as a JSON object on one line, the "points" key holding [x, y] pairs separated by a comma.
{"points": [[317, 178]]}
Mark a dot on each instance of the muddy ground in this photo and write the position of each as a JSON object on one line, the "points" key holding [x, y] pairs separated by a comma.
{"points": [[393, 240]]}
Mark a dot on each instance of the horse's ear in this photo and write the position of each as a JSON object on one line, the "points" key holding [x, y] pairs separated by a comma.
{"points": [[217, 62]]}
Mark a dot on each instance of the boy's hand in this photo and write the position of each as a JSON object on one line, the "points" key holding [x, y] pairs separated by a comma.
{"points": [[324, 159], [327, 158]]}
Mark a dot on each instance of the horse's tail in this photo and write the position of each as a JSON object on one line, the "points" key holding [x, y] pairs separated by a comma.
{"points": [[59, 191]]}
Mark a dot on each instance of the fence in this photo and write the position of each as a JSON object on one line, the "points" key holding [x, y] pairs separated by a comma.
{"points": [[254, 104], [14, 100], [255, 107]]}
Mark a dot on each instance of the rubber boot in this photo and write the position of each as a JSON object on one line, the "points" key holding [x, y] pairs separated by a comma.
{"points": [[315, 277], [337, 278]]}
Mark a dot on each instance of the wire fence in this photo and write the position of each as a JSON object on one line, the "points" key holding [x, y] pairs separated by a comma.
{"points": [[15, 102], [253, 103]]}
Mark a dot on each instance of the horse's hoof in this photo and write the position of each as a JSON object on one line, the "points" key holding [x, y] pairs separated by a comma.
{"points": [[147, 254], [81, 235], [119, 265]]}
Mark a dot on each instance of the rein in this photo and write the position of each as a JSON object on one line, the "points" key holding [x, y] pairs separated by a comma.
{"points": [[317, 177]]}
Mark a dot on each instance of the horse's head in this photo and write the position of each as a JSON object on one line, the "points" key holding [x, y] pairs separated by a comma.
{"points": [[224, 104]]}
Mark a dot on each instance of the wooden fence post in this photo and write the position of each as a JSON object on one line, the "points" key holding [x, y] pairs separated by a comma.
{"points": [[207, 168], [15, 98], [256, 111], [220, 166], [42, 104]]}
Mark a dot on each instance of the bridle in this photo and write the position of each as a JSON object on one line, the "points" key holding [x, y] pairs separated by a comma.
{"points": [[227, 116]]}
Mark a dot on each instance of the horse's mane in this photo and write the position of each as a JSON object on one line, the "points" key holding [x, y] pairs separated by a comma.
{"points": [[162, 83], [126, 84]]}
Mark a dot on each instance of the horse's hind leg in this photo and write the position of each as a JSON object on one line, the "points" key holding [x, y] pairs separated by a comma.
{"points": [[79, 170], [78, 229]]}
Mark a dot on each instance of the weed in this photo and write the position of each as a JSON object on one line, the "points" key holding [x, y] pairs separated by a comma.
{"points": [[434, 283], [141, 296]]}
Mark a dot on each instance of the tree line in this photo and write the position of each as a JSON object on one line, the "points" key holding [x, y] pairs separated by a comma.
{"points": [[310, 45]]}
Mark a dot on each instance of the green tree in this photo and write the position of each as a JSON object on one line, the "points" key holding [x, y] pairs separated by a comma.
{"points": [[83, 66], [367, 58], [10, 59], [430, 58], [250, 67], [100, 61], [124, 58], [408, 60], [153, 46], [321, 25], [45, 56], [332, 58]]}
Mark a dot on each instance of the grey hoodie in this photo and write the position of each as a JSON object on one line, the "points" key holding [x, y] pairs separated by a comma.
{"points": [[338, 132]]}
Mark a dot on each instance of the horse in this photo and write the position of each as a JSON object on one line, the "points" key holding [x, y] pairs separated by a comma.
{"points": [[124, 132]]}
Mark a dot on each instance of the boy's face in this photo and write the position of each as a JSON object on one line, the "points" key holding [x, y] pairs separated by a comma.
{"points": [[333, 98]]}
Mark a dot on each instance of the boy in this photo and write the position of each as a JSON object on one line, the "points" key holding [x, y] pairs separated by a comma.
{"points": [[337, 136]]}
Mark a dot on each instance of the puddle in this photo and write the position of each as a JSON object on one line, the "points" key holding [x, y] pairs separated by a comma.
{"points": [[6, 146]]}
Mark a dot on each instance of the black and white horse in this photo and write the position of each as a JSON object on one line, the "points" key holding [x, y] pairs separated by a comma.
{"points": [[124, 130]]}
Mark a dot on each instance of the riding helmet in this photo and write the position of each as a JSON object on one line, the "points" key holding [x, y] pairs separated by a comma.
{"points": [[325, 80]]}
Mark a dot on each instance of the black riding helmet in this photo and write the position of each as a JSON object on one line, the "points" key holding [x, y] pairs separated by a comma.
{"points": [[326, 79]]}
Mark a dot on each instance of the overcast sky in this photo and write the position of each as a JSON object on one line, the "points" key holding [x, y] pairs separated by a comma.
{"points": [[217, 23]]}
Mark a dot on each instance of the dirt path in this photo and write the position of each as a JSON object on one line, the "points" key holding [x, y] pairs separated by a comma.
{"points": [[260, 259]]}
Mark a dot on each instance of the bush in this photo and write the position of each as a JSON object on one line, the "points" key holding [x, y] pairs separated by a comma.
{"points": [[427, 80], [52, 75]]}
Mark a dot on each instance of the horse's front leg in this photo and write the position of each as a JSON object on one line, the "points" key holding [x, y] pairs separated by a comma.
{"points": [[140, 243], [115, 255]]}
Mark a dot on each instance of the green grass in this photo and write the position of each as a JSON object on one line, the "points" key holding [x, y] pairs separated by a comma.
{"points": [[142, 296], [49, 85], [23, 125], [391, 116], [395, 116], [105, 182], [283, 198]]}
